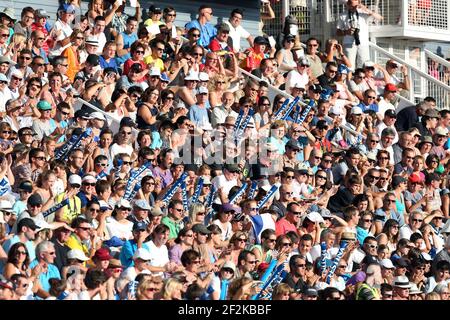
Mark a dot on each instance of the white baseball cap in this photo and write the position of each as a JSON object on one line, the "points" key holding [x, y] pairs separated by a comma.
{"points": [[356, 110], [75, 179], [97, 115], [77, 254], [142, 254]]}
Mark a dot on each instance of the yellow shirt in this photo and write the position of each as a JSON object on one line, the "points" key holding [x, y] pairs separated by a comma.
{"points": [[72, 210], [149, 22], [157, 62]]}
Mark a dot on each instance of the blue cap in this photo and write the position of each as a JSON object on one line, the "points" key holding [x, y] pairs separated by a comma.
{"points": [[343, 69], [164, 77], [139, 226], [67, 8]]}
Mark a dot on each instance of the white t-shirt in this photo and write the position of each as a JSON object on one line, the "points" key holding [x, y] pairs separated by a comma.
{"points": [[294, 77], [160, 256], [101, 38], [66, 31], [224, 184], [120, 230], [236, 34], [344, 24], [227, 232]]}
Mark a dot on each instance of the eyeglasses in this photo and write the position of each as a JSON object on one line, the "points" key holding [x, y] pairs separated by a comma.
{"points": [[125, 132], [24, 253], [40, 158], [102, 164], [90, 184]]}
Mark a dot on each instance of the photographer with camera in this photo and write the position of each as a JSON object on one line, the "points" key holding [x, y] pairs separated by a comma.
{"points": [[353, 26]]}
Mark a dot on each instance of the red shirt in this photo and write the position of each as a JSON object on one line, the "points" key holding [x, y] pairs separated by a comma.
{"points": [[283, 226]]}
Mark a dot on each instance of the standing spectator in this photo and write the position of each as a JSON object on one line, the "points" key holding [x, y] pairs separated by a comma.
{"points": [[62, 30], [202, 23], [353, 26]]}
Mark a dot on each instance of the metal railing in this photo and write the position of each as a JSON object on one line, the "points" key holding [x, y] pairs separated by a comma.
{"points": [[438, 67], [432, 14], [422, 83]]}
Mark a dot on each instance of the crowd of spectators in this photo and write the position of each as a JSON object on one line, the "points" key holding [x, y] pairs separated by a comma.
{"points": [[138, 161]]}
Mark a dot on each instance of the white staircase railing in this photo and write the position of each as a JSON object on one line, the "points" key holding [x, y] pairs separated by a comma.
{"points": [[439, 66], [422, 84]]}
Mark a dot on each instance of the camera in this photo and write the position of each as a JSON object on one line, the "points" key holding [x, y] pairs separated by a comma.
{"points": [[356, 35]]}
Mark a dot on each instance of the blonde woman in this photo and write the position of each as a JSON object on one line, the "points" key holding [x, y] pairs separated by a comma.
{"points": [[146, 290], [17, 43], [172, 289], [217, 86], [197, 213]]}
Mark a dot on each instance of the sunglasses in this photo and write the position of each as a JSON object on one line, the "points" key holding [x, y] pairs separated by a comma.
{"points": [[91, 184], [125, 132]]}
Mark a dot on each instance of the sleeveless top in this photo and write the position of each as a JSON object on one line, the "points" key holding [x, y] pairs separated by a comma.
{"points": [[128, 40], [141, 123]]}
